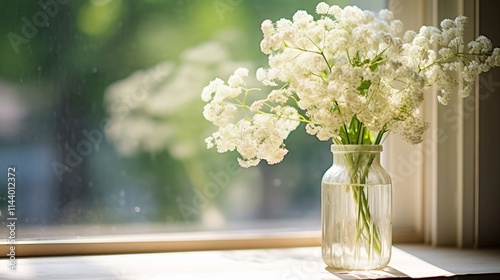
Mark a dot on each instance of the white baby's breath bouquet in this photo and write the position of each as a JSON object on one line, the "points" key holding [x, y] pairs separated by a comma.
{"points": [[348, 75]]}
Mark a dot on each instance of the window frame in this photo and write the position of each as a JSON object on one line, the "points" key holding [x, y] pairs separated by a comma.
{"points": [[448, 182], [450, 168]]}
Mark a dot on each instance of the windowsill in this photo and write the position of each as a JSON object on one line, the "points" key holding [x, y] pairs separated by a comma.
{"points": [[408, 261]]}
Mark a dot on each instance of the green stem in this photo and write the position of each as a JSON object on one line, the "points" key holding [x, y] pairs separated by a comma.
{"points": [[366, 231]]}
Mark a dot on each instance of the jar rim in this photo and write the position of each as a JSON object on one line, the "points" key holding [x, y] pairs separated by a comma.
{"points": [[356, 148]]}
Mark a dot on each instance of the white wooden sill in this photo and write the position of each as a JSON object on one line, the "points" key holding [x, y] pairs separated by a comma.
{"points": [[408, 261]]}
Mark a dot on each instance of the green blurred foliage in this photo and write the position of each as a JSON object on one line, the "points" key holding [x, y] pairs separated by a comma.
{"points": [[62, 57]]}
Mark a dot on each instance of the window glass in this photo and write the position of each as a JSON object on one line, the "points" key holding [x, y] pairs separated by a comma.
{"points": [[101, 116]]}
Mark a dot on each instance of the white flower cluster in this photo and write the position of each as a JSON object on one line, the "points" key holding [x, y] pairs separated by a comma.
{"points": [[157, 109], [351, 75], [257, 137]]}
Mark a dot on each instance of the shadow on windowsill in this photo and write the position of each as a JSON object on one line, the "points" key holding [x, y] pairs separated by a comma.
{"points": [[387, 272]]}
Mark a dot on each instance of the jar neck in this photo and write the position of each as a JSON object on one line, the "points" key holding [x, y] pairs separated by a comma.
{"points": [[356, 154]]}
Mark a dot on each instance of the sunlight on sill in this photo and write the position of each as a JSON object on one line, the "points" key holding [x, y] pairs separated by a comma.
{"points": [[409, 261]]}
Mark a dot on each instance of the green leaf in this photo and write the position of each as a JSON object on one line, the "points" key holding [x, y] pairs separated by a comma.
{"points": [[368, 137], [343, 136], [364, 86], [323, 74], [356, 133], [353, 128], [375, 63]]}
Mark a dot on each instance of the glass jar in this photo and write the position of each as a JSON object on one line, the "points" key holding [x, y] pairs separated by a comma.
{"points": [[356, 208]]}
